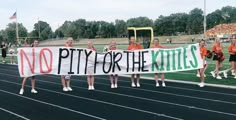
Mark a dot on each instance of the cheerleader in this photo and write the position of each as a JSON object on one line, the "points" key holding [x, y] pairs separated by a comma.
{"points": [[90, 78], [134, 46], [35, 44], [203, 52], [218, 58], [12, 54], [65, 79], [113, 77], [157, 45], [232, 58]]}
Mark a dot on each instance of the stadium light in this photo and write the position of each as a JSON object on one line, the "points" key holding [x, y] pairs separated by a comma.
{"points": [[204, 22]]}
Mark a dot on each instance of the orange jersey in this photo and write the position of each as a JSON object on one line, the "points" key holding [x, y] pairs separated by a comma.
{"points": [[203, 51], [159, 46], [217, 48], [232, 49], [135, 47]]}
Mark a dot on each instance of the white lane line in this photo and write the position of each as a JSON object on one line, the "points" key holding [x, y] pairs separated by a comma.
{"points": [[20, 116], [140, 89], [152, 100], [227, 94], [147, 99], [54, 105], [98, 101]]}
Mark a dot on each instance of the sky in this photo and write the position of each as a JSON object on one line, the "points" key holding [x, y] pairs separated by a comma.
{"points": [[55, 12]]}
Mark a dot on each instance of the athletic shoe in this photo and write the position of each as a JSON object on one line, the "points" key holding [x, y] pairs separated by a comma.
{"points": [[21, 91], [92, 88], [34, 91], [201, 84], [232, 72], [89, 87], [138, 85], [225, 74], [218, 77], [112, 86], [213, 74], [69, 88], [163, 84], [234, 76], [65, 89], [198, 75], [116, 86], [157, 84], [133, 85]]}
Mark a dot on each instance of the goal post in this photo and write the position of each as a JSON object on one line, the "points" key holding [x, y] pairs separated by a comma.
{"points": [[143, 35]]}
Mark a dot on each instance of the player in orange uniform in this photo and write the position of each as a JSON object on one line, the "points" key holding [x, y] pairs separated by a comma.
{"points": [[134, 46], [218, 58], [232, 58], [203, 52], [157, 45]]}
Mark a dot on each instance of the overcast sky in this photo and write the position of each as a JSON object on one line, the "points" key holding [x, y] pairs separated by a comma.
{"points": [[55, 12]]}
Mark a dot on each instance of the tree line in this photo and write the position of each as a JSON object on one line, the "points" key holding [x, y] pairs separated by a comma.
{"points": [[177, 23]]}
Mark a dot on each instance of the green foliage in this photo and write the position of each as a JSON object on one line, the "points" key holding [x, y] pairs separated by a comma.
{"points": [[9, 34], [42, 28]]}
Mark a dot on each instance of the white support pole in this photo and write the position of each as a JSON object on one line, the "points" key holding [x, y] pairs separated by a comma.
{"points": [[17, 34], [204, 23]]}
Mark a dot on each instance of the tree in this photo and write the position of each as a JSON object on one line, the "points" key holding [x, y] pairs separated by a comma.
{"points": [[59, 34], [195, 21], [140, 22], [42, 28], [120, 28], [10, 32]]}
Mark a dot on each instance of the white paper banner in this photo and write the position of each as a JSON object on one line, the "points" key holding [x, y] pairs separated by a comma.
{"points": [[80, 61]]}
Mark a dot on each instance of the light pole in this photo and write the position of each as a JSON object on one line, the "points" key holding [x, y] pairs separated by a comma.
{"points": [[39, 27], [204, 22]]}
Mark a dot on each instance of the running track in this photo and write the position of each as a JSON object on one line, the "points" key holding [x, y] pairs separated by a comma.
{"points": [[175, 102]]}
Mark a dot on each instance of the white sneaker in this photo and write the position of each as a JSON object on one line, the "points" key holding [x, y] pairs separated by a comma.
{"points": [[21, 91], [65, 89], [138, 85], [201, 84], [34, 91], [198, 75], [116, 86], [234, 76], [89, 87], [233, 73], [213, 74], [204, 75], [163, 84], [225, 74], [133, 85], [112, 86], [92, 88], [69, 88], [157, 84], [218, 77]]}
